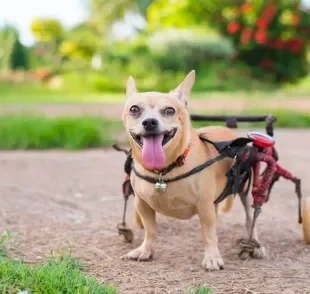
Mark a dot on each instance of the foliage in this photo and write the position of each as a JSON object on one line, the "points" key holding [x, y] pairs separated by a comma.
{"points": [[77, 49], [7, 39], [199, 290], [212, 77], [13, 55], [103, 13], [49, 32], [272, 37], [6, 235], [56, 45], [47, 29], [57, 275], [81, 42], [163, 14], [184, 50], [86, 59], [19, 56], [38, 132]]}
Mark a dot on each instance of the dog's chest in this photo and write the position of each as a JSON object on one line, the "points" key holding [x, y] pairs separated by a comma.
{"points": [[178, 201]]}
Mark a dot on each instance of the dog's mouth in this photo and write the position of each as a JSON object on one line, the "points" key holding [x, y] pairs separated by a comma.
{"points": [[166, 137]]}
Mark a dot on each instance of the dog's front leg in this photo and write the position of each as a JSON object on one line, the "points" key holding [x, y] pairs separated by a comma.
{"points": [[207, 215], [148, 216]]}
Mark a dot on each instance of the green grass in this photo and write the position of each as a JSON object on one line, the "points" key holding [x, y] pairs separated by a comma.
{"points": [[39, 132], [36, 93], [61, 274], [3, 239], [53, 276], [199, 290]]}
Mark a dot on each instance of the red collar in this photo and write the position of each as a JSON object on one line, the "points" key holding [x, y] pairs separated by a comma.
{"points": [[179, 162]]}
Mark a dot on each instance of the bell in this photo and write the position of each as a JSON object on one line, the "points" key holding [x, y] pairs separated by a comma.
{"points": [[161, 187]]}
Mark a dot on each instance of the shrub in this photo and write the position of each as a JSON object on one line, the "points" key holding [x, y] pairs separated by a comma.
{"points": [[39, 132], [184, 50], [270, 36]]}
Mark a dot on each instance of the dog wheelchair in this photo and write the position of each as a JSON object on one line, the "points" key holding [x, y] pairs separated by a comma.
{"points": [[247, 154]]}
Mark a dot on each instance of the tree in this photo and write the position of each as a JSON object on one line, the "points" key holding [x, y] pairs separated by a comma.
{"points": [[14, 54], [19, 56], [49, 32], [47, 29], [103, 13], [163, 13], [80, 42]]}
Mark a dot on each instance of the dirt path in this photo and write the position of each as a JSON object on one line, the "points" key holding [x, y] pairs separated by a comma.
{"points": [[57, 199], [114, 110]]}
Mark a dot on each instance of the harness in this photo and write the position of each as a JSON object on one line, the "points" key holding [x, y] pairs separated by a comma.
{"points": [[237, 175]]}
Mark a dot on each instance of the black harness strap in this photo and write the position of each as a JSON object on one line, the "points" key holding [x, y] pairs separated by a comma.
{"points": [[240, 172], [193, 171]]}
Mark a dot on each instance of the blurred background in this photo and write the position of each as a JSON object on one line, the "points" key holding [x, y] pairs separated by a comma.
{"points": [[248, 54], [93, 45]]}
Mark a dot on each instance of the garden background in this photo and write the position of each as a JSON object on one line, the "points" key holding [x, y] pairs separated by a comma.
{"points": [[67, 88], [250, 56]]}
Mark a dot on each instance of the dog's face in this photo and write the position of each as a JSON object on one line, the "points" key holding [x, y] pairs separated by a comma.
{"points": [[158, 124]]}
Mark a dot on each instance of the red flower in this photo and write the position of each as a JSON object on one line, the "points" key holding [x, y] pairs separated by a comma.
{"points": [[233, 27], [246, 35], [266, 63], [270, 11], [296, 45], [266, 17], [261, 37], [279, 43], [262, 22], [246, 7]]}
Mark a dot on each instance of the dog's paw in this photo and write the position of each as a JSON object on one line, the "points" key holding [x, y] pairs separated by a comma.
{"points": [[140, 254], [260, 252], [213, 263]]}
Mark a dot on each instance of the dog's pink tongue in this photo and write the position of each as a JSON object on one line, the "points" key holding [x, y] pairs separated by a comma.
{"points": [[153, 154]]}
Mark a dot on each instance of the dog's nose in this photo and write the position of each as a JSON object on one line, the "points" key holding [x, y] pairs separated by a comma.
{"points": [[150, 124]]}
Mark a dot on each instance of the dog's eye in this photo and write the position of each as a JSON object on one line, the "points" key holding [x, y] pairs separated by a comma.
{"points": [[169, 111], [134, 109]]}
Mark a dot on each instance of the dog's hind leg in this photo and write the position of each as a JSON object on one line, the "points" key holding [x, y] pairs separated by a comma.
{"points": [[246, 202], [148, 216], [228, 203]]}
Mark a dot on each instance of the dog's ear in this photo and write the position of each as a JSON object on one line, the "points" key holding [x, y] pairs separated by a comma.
{"points": [[182, 92], [131, 87]]}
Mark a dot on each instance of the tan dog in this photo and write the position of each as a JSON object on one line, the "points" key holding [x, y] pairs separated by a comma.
{"points": [[160, 130]]}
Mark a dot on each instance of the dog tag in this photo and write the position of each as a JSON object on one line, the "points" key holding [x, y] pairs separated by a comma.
{"points": [[161, 186]]}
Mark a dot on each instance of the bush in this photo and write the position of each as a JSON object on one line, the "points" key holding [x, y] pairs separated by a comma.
{"points": [[217, 76], [184, 50], [36, 132], [272, 38]]}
